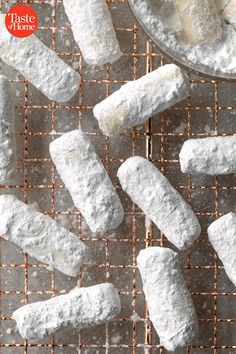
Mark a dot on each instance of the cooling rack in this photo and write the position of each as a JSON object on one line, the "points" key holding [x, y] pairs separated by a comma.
{"points": [[209, 110]]}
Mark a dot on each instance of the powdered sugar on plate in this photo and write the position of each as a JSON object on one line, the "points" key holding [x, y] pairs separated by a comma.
{"points": [[160, 20]]}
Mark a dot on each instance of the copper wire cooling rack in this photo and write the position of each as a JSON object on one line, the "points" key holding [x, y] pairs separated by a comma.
{"points": [[209, 110]]}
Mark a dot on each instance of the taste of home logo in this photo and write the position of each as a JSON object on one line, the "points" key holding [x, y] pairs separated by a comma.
{"points": [[21, 21]]}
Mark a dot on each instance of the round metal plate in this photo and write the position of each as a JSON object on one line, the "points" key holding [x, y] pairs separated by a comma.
{"points": [[150, 27]]}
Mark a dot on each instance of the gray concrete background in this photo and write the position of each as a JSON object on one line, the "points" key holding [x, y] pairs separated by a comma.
{"points": [[210, 110]]}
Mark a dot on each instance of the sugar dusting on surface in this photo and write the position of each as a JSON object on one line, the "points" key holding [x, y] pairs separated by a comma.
{"points": [[135, 318], [161, 19]]}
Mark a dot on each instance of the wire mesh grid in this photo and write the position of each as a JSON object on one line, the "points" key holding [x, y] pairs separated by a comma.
{"points": [[209, 110]]}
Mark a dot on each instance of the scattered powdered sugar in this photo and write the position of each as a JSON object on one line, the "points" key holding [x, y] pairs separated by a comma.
{"points": [[116, 339], [67, 42], [76, 65], [50, 2], [148, 222], [9, 331], [207, 128], [181, 128], [135, 318], [161, 20], [35, 206]]}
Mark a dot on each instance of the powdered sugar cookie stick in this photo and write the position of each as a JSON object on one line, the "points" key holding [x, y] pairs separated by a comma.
{"points": [[93, 30], [220, 4], [229, 13], [222, 235], [138, 100], [200, 20], [80, 308], [38, 64], [87, 181], [169, 303], [212, 156], [8, 161], [41, 237], [152, 192]]}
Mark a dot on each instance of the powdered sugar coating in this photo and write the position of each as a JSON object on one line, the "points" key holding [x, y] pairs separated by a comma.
{"points": [[169, 303], [138, 100], [222, 235], [161, 20], [93, 30], [229, 13], [41, 237], [154, 195], [8, 162], [200, 20], [212, 155], [39, 64], [87, 181], [80, 308]]}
